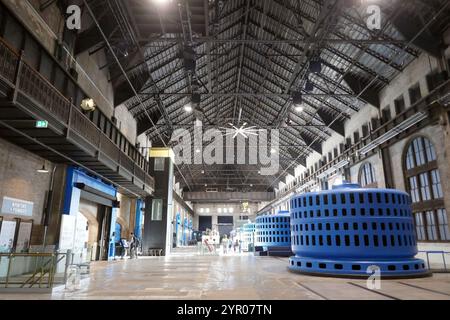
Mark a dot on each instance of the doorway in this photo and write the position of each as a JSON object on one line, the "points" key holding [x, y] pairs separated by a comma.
{"points": [[204, 222], [104, 221]]}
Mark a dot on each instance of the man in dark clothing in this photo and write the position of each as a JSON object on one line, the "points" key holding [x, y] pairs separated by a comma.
{"points": [[133, 246]]}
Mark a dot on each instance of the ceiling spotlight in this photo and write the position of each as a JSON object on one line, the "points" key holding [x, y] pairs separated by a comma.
{"points": [[297, 98], [272, 151], [43, 169], [203, 171], [309, 87], [251, 185], [196, 98], [188, 107], [197, 150], [315, 66], [206, 185], [299, 108]]}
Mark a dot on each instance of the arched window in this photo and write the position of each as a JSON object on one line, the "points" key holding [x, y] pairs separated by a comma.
{"points": [[367, 176], [423, 182]]}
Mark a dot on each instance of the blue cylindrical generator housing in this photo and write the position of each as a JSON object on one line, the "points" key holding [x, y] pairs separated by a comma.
{"points": [[273, 230], [348, 230], [249, 236]]}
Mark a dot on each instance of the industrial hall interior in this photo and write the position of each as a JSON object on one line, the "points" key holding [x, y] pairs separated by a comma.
{"points": [[224, 149]]}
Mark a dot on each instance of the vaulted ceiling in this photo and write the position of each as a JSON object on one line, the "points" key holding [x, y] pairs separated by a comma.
{"points": [[246, 59]]}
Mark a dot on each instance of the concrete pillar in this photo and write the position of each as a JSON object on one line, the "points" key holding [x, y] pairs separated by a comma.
{"points": [[387, 169], [158, 208]]}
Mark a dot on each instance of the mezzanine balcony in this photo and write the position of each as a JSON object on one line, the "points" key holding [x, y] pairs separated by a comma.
{"points": [[70, 137]]}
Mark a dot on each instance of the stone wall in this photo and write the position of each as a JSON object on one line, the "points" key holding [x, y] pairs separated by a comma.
{"points": [[95, 81], [46, 26], [126, 215], [19, 179]]}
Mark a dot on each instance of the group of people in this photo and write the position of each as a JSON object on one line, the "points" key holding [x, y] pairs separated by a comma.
{"points": [[229, 245], [131, 245]]}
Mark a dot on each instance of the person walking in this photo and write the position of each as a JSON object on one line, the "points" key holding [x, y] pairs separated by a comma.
{"points": [[133, 246], [123, 247], [224, 244]]}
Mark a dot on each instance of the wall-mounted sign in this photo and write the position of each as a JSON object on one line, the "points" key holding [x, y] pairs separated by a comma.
{"points": [[17, 207]]}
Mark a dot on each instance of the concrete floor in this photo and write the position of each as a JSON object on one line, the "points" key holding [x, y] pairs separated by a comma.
{"points": [[186, 275]]}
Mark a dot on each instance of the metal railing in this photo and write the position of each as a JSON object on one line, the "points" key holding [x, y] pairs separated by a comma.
{"points": [[33, 270], [443, 254], [8, 61], [24, 78]]}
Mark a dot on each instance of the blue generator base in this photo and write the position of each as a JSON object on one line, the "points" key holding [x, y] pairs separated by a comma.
{"points": [[344, 231], [408, 268]]}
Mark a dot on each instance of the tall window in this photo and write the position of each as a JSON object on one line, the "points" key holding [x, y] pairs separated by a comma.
{"points": [[444, 231], [367, 176], [420, 226], [424, 185]]}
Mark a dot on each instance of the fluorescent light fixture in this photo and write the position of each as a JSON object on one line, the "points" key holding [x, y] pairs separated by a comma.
{"points": [[326, 172], [341, 164], [408, 123], [306, 185]]}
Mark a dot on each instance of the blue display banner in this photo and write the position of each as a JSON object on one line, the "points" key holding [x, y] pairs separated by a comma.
{"points": [[17, 207]]}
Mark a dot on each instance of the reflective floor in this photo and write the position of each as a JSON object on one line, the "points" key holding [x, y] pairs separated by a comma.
{"points": [[186, 275]]}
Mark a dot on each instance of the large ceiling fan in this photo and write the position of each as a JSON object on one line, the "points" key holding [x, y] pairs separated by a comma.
{"points": [[243, 130]]}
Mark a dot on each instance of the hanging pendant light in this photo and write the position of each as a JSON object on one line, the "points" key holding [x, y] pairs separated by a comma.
{"points": [[43, 169]]}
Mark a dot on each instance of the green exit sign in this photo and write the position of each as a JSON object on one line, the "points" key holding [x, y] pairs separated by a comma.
{"points": [[41, 124]]}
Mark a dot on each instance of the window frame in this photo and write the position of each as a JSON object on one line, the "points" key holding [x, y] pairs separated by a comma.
{"points": [[420, 165], [363, 172]]}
